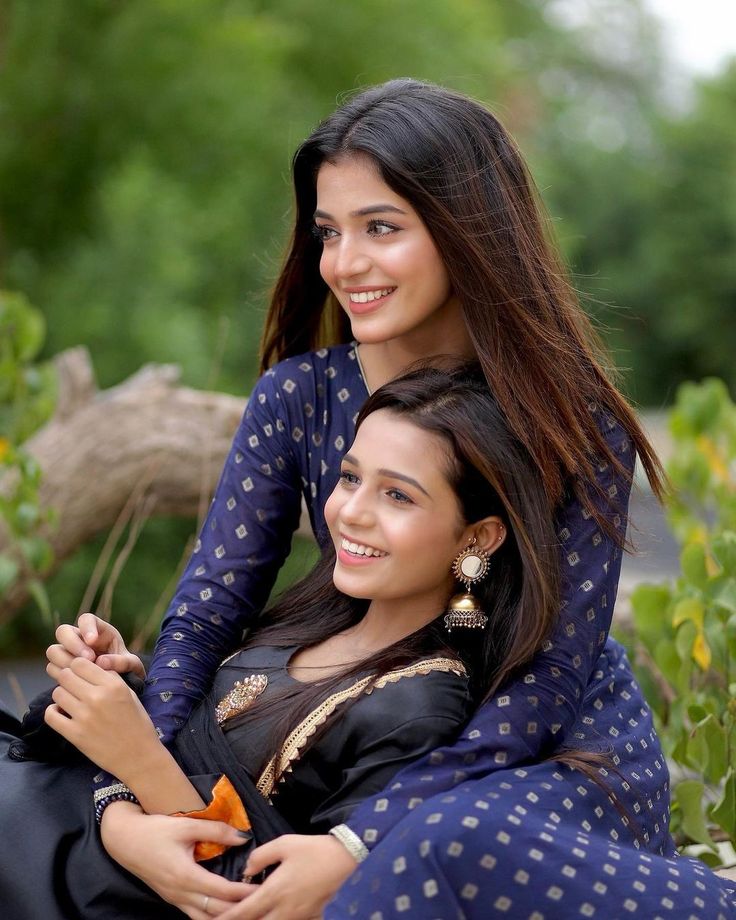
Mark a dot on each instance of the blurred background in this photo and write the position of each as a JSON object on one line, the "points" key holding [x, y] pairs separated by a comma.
{"points": [[145, 197]]}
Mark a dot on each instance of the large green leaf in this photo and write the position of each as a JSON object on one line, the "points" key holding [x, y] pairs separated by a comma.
{"points": [[707, 748], [649, 605], [724, 811], [690, 796], [8, 572], [724, 549], [692, 562]]}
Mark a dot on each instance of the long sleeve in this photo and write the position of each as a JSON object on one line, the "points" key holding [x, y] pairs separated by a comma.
{"points": [[243, 543], [533, 713], [299, 419]]}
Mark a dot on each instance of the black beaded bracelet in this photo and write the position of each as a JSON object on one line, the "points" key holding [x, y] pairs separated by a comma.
{"points": [[118, 792]]}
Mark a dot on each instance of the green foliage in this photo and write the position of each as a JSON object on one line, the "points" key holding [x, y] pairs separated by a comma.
{"points": [[27, 393], [685, 633], [144, 155], [650, 230], [144, 151]]}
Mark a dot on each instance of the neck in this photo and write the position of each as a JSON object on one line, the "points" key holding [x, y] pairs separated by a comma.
{"points": [[387, 622], [384, 361]]}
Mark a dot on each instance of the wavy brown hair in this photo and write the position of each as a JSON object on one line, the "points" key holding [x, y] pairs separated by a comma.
{"points": [[457, 166]]}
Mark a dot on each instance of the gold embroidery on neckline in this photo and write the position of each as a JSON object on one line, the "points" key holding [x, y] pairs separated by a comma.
{"points": [[290, 752]]}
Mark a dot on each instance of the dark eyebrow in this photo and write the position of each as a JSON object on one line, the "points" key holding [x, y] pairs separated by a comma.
{"points": [[391, 474], [362, 212]]}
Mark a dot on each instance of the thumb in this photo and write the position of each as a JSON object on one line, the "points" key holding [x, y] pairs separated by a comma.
{"points": [[264, 856], [122, 663], [87, 625]]}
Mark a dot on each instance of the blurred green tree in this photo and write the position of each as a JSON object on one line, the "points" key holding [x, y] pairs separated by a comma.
{"points": [[144, 150], [650, 230]]}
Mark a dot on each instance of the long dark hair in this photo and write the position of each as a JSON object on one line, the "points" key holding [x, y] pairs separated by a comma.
{"points": [[457, 166], [491, 473]]}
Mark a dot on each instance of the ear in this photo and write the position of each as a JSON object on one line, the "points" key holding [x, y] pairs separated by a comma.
{"points": [[489, 533]]}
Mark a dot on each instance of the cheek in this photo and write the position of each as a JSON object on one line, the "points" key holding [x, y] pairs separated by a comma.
{"points": [[326, 267], [332, 510]]}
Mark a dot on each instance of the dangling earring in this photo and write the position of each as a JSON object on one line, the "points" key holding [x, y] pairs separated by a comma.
{"points": [[470, 567]]}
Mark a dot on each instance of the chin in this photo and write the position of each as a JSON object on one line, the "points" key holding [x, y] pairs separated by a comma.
{"points": [[348, 586]]}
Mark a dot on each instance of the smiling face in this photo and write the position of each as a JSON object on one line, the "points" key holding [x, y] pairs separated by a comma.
{"points": [[378, 257], [394, 518]]}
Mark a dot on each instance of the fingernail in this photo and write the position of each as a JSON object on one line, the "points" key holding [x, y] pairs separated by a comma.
{"points": [[245, 834]]}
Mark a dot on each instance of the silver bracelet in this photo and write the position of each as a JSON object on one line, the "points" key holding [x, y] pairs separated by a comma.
{"points": [[350, 840]]}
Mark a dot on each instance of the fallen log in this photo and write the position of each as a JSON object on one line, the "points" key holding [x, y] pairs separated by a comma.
{"points": [[149, 437]]}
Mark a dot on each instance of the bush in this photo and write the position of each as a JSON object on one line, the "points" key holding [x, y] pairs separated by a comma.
{"points": [[27, 394], [685, 632]]}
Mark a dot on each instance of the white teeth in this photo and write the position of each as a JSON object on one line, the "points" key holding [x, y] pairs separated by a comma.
{"points": [[359, 549], [367, 296]]}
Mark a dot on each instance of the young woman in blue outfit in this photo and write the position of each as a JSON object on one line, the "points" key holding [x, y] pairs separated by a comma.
{"points": [[418, 233]]}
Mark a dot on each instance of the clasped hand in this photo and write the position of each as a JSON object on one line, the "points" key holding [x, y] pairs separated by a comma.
{"points": [[100, 715], [96, 640], [91, 701]]}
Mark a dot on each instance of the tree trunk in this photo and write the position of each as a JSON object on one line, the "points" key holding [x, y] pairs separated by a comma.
{"points": [[147, 439]]}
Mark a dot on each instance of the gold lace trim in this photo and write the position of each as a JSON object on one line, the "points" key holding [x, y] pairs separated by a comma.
{"points": [[291, 749]]}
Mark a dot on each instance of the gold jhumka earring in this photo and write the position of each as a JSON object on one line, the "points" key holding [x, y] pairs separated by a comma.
{"points": [[470, 567]]}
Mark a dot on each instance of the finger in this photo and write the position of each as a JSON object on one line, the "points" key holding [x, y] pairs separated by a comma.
{"points": [[59, 656], [88, 627], [65, 700], [202, 882], [122, 664], [91, 673], [264, 856], [216, 906], [255, 907], [194, 913], [54, 671], [194, 829], [102, 636], [72, 640], [59, 721], [72, 682]]}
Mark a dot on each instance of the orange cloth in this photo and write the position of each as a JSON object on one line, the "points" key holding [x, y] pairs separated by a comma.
{"points": [[225, 806]]}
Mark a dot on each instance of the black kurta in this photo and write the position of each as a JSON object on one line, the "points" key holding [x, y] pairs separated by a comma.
{"points": [[53, 865]]}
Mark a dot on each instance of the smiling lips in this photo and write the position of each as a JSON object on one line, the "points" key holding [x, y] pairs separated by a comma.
{"points": [[354, 552], [368, 296], [367, 300]]}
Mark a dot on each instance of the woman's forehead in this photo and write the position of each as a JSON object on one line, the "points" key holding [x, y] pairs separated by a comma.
{"points": [[386, 439]]}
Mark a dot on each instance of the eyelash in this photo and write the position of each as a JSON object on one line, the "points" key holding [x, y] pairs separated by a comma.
{"points": [[396, 494], [321, 231], [400, 497]]}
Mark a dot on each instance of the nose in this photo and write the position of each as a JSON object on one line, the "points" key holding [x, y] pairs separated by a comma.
{"points": [[351, 259], [357, 510]]}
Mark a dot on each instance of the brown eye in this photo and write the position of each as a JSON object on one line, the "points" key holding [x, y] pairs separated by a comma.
{"points": [[323, 233], [381, 228], [399, 496]]}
